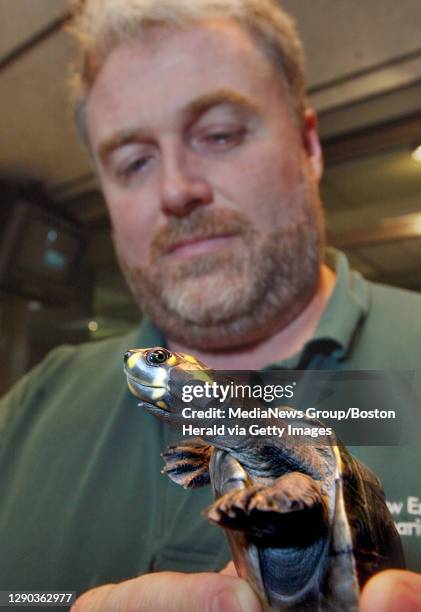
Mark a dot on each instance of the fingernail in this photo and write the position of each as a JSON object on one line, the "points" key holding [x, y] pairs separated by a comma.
{"points": [[242, 599]]}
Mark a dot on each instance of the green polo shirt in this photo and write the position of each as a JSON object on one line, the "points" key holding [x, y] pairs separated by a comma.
{"points": [[83, 500]]}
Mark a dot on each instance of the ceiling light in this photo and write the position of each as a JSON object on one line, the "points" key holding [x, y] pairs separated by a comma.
{"points": [[416, 154], [93, 326]]}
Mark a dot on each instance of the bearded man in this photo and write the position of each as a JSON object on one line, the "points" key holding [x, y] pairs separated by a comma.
{"points": [[197, 123]]}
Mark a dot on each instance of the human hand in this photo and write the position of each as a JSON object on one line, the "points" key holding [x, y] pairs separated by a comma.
{"points": [[392, 591], [172, 592]]}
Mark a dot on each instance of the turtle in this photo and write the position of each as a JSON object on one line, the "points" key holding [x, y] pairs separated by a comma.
{"points": [[307, 524]]}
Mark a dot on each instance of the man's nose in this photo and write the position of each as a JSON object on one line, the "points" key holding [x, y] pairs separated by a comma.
{"points": [[183, 186]]}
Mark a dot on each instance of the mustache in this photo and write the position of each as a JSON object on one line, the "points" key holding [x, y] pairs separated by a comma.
{"points": [[198, 225]]}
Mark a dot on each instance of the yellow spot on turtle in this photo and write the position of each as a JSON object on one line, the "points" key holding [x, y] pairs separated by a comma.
{"points": [[157, 393], [132, 360], [190, 359], [203, 376], [132, 389]]}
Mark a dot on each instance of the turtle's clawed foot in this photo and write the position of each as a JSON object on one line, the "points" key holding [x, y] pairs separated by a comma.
{"points": [[188, 464], [276, 512], [231, 509], [290, 493]]}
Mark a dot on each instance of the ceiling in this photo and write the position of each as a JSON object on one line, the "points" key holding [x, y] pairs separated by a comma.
{"points": [[364, 75]]}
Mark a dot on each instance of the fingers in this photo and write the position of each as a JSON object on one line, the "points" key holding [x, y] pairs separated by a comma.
{"points": [[172, 592], [392, 591]]}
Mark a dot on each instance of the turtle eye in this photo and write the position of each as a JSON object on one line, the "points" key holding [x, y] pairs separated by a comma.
{"points": [[158, 356]]}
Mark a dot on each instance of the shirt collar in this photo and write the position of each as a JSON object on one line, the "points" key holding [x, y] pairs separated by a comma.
{"points": [[345, 310], [348, 304]]}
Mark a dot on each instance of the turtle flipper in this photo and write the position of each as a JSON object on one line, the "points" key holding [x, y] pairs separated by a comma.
{"points": [[187, 464], [294, 507]]}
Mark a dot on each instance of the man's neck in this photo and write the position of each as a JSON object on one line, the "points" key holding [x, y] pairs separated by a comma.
{"points": [[280, 345]]}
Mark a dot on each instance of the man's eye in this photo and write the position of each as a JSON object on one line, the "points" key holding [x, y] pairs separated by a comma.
{"points": [[221, 138], [134, 167], [224, 140]]}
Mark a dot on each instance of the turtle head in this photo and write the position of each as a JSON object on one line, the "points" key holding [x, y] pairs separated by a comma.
{"points": [[156, 376]]}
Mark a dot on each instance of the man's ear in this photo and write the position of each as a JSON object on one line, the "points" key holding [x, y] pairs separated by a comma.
{"points": [[312, 144]]}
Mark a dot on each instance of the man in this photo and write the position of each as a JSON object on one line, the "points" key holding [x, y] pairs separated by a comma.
{"points": [[197, 123]]}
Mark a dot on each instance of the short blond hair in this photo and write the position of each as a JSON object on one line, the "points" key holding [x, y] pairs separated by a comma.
{"points": [[102, 25]]}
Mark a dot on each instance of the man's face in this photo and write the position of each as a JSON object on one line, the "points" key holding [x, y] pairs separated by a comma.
{"points": [[212, 196]]}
